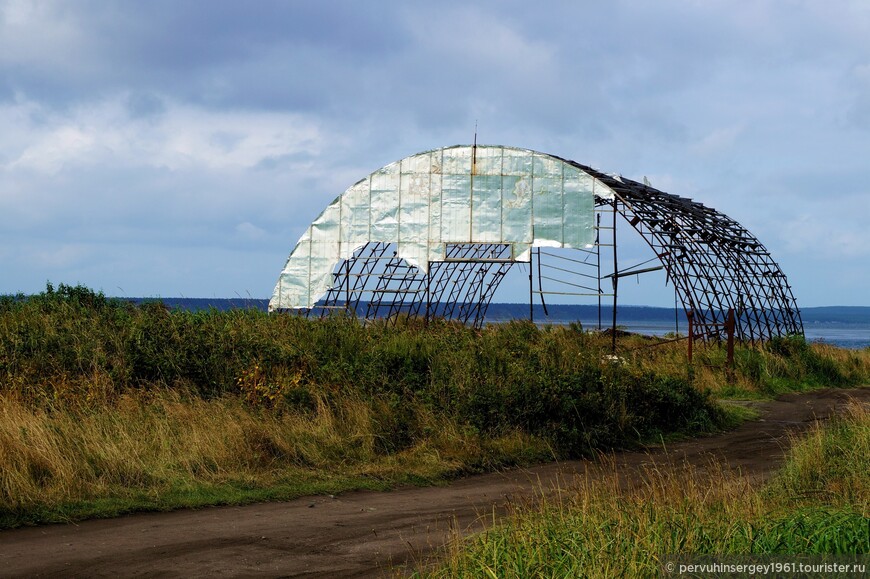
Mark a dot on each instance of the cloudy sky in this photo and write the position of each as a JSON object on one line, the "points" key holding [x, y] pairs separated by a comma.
{"points": [[180, 148]]}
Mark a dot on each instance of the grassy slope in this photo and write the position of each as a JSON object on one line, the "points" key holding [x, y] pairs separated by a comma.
{"points": [[163, 450], [818, 504], [107, 407]]}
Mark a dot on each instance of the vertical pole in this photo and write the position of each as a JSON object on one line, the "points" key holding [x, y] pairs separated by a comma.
{"points": [[471, 188], [729, 328], [615, 283], [347, 286], [541, 287], [598, 265], [531, 294], [428, 293], [676, 314], [690, 314]]}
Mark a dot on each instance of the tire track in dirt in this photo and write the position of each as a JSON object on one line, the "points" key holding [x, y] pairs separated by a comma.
{"points": [[359, 534]]}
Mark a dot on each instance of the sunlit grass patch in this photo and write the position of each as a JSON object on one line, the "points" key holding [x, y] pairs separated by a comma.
{"points": [[163, 450], [818, 504], [103, 401]]}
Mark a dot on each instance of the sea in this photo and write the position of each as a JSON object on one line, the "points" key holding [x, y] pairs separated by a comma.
{"points": [[842, 326]]}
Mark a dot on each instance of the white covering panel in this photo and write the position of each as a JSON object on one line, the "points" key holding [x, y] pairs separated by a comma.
{"points": [[461, 194], [517, 208], [578, 200], [486, 208], [455, 208]]}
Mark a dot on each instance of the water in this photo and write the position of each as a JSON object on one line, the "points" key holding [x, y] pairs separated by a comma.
{"points": [[845, 327], [661, 321], [844, 335]]}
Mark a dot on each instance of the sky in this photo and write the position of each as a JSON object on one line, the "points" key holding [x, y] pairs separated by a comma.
{"points": [[180, 148]]}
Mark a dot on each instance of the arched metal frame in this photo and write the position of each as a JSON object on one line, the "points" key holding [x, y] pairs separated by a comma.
{"points": [[461, 287], [714, 263]]}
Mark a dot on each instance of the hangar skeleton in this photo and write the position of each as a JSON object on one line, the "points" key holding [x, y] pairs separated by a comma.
{"points": [[435, 233]]}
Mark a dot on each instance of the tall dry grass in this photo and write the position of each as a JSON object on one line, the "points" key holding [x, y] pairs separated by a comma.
{"points": [[102, 399], [602, 527], [144, 447], [780, 365], [830, 465], [80, 348]]}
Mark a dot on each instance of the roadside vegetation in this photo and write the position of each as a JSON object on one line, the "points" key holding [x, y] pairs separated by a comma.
{"points": [[108, 407], [818, 504]]}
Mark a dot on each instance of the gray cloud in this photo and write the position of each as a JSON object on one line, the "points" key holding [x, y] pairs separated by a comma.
{"points": [[157, 146]]}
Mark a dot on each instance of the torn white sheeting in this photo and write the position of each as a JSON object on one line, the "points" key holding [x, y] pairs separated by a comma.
{"points": [[460, 194]]}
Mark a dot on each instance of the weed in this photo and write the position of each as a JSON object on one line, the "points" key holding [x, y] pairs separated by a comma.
{"points": [[102, 399], [602, 528]]}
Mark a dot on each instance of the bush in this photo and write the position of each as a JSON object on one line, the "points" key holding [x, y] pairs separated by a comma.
{"points": [[73, 344]]}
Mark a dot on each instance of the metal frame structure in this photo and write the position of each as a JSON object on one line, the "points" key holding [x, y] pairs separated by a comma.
{"points": [[715, 264], [460, 287]]}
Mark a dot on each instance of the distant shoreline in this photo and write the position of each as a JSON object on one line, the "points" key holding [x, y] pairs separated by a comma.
{"points": [[810, 315]]}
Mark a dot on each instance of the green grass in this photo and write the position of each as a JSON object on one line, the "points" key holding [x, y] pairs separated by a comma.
{"points": [[818, 504], [163, 450], [70, 346], [832, 466], [106, 403], [187, 495]]}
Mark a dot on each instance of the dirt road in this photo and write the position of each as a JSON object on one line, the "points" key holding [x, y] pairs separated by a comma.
{"points": [[360, 533]]}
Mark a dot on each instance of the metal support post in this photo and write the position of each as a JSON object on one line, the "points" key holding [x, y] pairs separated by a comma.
{"points": [[428, 293], [615, 283], [531, 290], [690, 315], [729, 329]]}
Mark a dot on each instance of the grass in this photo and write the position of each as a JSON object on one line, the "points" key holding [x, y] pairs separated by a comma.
{"points": [[819, 503], [108, 407], [831, 466], [167, 450]]}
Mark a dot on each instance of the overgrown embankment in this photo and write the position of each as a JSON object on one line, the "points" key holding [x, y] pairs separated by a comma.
{"points": [[108, 407]]}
